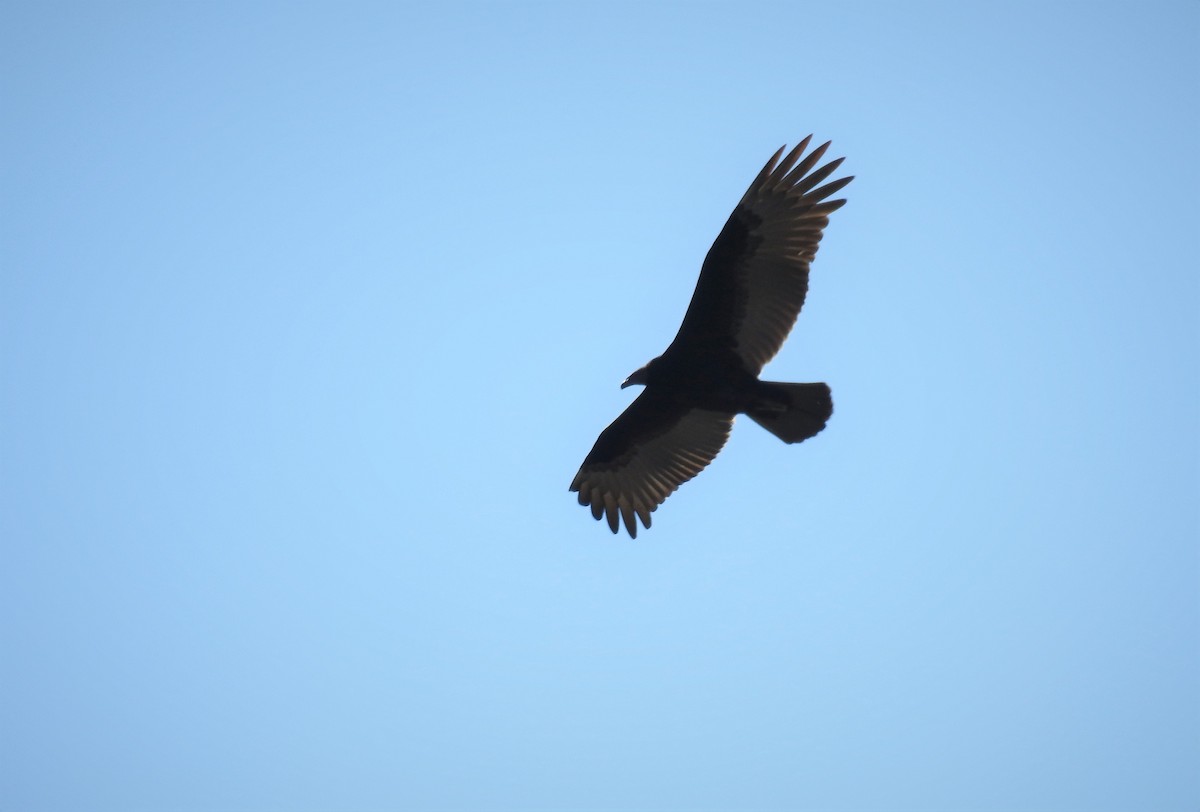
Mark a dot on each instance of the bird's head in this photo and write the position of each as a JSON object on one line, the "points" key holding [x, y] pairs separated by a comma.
{"points": [[637, 378]]}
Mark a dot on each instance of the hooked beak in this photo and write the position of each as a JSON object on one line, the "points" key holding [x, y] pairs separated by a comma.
{"points": [[636, 379]]}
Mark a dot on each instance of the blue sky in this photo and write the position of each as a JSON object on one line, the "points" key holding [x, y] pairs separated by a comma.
{"points": [[309, 313]]}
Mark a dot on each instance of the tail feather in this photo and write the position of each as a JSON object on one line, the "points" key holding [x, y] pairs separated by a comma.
{"points": [[795, 411]]}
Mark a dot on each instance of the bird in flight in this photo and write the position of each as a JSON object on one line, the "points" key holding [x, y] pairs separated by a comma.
{"points": [[751, 288]]}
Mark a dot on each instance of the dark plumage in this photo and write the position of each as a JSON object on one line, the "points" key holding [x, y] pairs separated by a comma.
{"points": [[751, 288]]}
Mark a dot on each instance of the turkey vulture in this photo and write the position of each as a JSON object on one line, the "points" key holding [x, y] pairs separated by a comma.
{"points": [[751, 289]]}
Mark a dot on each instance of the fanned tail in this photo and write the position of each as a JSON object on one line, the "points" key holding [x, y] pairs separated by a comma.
{"points": [[796, 411]]}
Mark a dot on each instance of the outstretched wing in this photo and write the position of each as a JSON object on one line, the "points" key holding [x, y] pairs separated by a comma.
{"points": [[650, 450], [754, 279]]}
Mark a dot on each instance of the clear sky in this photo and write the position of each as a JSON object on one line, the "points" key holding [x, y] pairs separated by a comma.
{"points": [[310, 311]]}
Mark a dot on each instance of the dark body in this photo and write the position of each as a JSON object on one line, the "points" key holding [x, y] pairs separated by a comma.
{"points": [[751, 288]]}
